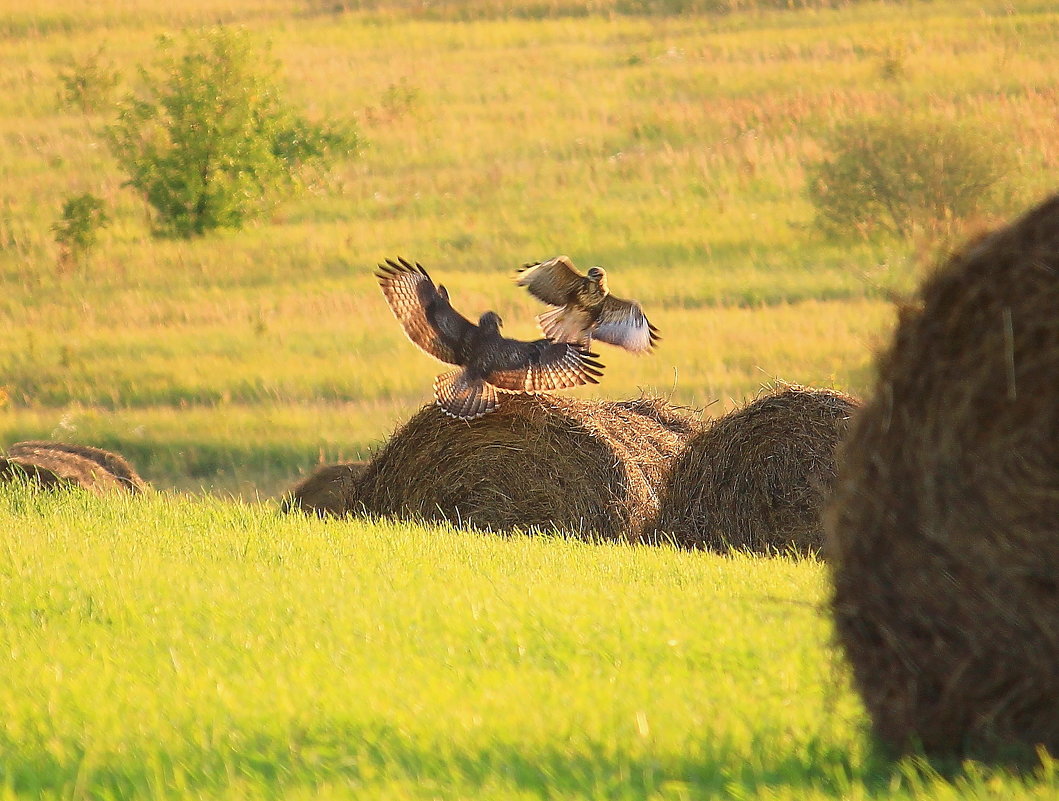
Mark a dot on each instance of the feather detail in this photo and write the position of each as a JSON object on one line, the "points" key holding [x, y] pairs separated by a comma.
{"points": [[463, 397], [623, 323], [566, 324]]}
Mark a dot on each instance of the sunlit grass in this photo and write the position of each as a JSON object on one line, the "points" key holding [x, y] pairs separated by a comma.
{"points": [[160, 647], [252, 430]]}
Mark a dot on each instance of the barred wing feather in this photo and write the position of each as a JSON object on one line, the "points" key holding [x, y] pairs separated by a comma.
{"points": [[423, 311], [554, 281], [540, 366]]}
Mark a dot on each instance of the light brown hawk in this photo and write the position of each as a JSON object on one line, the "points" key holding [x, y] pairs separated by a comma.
{"points": [[489, 363], [586, 310]]}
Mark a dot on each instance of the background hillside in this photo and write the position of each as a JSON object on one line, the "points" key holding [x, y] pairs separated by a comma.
{"points": [[670, 148]]}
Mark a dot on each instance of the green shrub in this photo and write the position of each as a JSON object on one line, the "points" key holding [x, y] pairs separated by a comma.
{"points": [[209, 142], [897, 174], [78, 229]]}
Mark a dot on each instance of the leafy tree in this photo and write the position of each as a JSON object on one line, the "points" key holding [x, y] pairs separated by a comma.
{"points": [[209, 142]]}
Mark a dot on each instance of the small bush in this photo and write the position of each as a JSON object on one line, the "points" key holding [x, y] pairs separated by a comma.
{"points": [[895, 174], [78, 228], [89, 83], [209, 142]]}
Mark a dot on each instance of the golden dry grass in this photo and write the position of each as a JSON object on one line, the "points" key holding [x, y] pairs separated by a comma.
{"points": [[669, 149]]}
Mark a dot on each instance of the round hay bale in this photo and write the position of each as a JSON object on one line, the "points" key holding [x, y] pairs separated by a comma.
{"points": [[943, 530], [113, 463], [23, 470], [53, 469], [538, 462], [756, 479], [328, 491], [680, 420], [674, 426]]}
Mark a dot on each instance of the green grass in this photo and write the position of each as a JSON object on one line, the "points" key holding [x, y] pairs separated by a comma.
{"points": [[172, 648]]}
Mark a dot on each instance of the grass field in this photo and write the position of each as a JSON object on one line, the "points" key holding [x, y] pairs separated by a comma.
{"points": [[193, 645], [178, 648]]}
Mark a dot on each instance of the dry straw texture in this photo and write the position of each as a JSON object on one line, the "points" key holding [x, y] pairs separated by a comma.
{"points": [[55, 465], [757, 478], [944, 528], [328, 491], [584, 467], [115, 464], [680, 420]]}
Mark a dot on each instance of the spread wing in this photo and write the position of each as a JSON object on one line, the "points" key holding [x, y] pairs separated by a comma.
{"points": [[539, 366], [623, 323], [554, 281], [424, 311]]}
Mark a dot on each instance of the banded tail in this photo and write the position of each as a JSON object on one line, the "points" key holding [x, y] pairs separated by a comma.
{"points": [[464, 398]]}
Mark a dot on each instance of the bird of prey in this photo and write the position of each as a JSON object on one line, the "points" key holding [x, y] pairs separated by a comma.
{"points": [[586, 310], [489, 362]]}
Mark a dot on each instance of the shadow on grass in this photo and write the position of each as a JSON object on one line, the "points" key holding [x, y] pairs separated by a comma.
{"points": [[378, 755], [222, 467]]}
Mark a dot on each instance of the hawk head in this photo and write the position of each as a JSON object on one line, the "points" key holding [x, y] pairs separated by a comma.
{"points": [[490, 321], [598, 276]]}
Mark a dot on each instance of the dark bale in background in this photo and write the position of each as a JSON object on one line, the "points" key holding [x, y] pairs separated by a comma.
{"points": [[587, 467], [113, 463], [943, 533], [328, 491], [53, 469], [757, 478], [22, 470]]}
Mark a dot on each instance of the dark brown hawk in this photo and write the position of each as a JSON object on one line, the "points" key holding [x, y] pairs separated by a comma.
{"points": [[488, 361], [586, 310]]}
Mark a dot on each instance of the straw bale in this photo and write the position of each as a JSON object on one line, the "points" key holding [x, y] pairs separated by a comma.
{"points": [[756, 479], [943, 531], [592, 468], [328, 491]]}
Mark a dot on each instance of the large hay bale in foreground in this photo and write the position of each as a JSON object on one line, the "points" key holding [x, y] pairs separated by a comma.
{"points": [[757, 478], [943, 533], [586, 467], [328, 491], [54, 469], [113, 463]]}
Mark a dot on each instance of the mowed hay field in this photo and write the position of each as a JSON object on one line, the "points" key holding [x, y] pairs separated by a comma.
{"points": [[188, 644], [669, 149]]}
